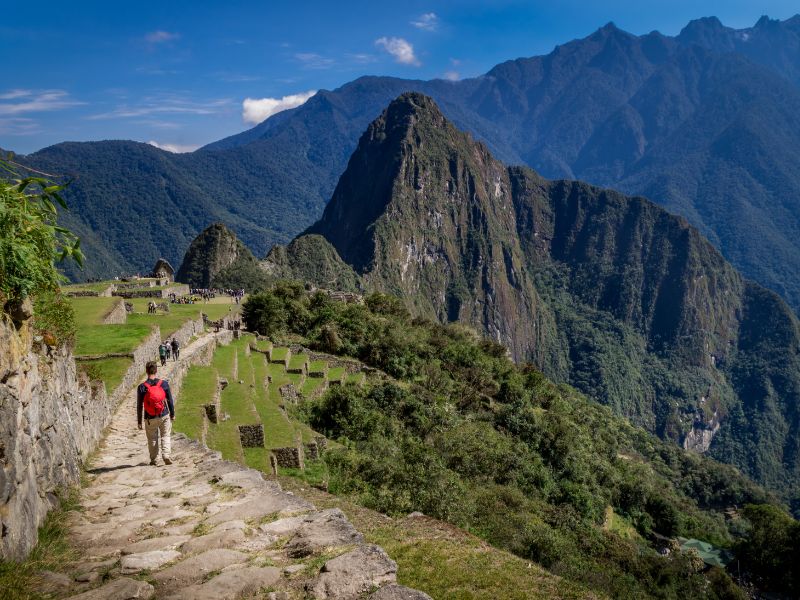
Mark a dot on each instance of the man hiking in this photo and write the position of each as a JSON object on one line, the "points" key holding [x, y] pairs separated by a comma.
{"points": [[176, 348], [162, 354], [154, 402]]}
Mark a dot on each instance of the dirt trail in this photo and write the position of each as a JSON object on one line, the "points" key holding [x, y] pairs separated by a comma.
{"points": [[206, 528]]}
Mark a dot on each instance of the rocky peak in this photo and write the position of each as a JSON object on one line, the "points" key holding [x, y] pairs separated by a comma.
{"points": [[213, 250]]}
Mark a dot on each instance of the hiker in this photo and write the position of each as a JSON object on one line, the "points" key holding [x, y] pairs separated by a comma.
{"points": [[162, 354], [154, 402], [176, 348], [168, 348]]}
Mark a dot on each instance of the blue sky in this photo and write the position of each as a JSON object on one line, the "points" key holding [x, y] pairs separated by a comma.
{"points": [[182, 74]]}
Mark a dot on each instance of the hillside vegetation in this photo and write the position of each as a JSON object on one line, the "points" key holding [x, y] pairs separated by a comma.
{"points": [[464, 435], [608, 293]]}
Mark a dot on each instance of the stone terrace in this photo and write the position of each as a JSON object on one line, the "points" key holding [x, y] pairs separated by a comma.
{"points": [[207, 528]]}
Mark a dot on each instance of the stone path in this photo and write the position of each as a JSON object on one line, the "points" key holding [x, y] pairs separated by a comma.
{"points": [[205, 528]]}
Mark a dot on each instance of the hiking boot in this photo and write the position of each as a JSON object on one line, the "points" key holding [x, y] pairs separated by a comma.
{"points": [[167, 461]]}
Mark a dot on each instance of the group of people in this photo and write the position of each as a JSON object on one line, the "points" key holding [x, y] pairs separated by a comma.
{"points": [[169, 349]]}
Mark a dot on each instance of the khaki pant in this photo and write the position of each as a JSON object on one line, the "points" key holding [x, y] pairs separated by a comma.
{"points": [[161, 426]]}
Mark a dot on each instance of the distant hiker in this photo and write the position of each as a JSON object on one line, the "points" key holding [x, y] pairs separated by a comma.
{"points": [[154, 402], [176, 348], [162, 354], [168, 348]]}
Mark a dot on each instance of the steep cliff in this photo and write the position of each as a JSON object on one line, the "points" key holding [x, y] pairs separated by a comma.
{"points": [[609, 293]]}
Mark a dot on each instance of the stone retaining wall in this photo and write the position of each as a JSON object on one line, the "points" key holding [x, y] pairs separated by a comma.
{"points": [[290, 457], [117, 315], [251, 436]]}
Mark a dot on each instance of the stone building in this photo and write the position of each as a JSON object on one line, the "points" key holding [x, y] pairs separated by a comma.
{"points": [[164, 270]]}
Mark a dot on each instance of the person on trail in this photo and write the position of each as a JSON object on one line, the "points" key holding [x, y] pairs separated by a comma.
{"points": [[162, 354], [154, 402], [176, 348], [168, 347]]}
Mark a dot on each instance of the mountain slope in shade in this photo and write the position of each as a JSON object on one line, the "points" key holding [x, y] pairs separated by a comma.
{"points": [[609, 293]]}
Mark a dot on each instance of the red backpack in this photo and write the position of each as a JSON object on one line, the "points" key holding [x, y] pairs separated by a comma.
{"points": [[154, 398]]}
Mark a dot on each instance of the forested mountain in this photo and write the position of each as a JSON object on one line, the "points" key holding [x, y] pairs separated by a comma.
{"points": [[704, 123], [611, 294]]}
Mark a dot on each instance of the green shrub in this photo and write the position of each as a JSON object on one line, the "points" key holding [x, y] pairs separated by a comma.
{"points": [[30, 239]]}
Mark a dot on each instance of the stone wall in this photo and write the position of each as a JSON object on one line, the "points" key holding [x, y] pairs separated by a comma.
{"points": [[290, 457], [187, 331], [251, 436], [50, 420], [117, 315]]}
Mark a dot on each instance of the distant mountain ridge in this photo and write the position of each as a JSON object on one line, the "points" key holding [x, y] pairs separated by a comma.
{"points": [[608, 293], [706, 123]]}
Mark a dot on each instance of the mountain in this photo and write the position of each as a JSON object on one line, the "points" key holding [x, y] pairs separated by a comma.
{"points": [[213, 251], [612, 294], [704, 123], [311, 258]]}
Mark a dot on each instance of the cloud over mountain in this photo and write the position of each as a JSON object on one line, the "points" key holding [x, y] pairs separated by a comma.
{"points": [[255, 110]]}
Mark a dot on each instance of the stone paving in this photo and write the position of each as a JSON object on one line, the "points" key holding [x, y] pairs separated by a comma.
{"points": [[205, 528]]}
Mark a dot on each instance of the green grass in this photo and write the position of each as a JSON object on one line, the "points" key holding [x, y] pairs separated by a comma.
{"points": [[53, 552], [223, 361], [91, 310], [295, 378], [315, 473], [298, 361], [310, 385], [278, 431], [197, 389], [237, 401], [257, 458], [109, 370], [103, 339], [336, 373], [262, 345], [357, 378], [88, 287], [317, 366], [279, 353]]}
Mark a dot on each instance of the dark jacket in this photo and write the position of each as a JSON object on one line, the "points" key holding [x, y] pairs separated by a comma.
{"points": [[141, 391]]}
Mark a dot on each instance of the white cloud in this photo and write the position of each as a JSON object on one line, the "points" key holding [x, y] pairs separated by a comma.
{"points": [[256, 110], [174, 148], [312, 60], [19, 126], [160, 36], [28, 101], [428, 22], [14, 94], [451, 75], [400, 49], [363, 58], [163, 105]]}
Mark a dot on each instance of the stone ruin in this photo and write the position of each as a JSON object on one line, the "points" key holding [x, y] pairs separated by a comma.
{"points": [[251, 436], [289, 393], [211, 412], [290, 457]]}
